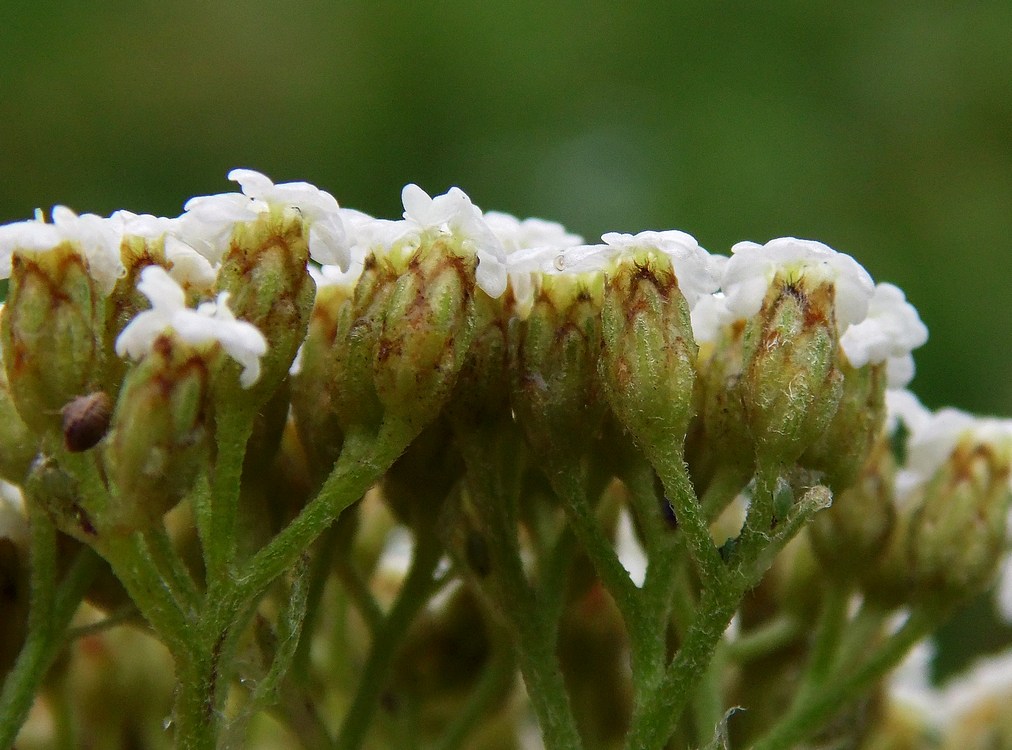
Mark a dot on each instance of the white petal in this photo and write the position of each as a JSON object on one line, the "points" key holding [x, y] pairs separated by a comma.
{"points": [[253, 183], [417, 204]]}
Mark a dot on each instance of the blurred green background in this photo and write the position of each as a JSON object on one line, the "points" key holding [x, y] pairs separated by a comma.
{"points": [[883, 129]]}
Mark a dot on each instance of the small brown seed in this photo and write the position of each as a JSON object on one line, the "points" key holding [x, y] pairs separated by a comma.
{"points": [[85, 421]]}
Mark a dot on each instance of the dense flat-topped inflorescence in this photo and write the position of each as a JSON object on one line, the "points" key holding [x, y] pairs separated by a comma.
{"points": [[534, 414]]}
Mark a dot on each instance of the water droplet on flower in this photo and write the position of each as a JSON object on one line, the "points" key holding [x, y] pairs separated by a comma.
{"points": [[560, 262]]}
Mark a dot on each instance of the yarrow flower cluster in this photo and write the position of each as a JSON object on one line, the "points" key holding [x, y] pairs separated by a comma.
{"points": [[538, 419]]}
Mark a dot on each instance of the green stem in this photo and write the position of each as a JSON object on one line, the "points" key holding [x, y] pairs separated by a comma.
{"points": [[196, 719], [171, 567], [532, 619], [765, 639], [708, 698], [325, 550], [810, 712], [671, 468], [412, 597], [232, 433], [656, 718], [51, 611], [132, 563], [828, 632], [363, 461], [546, 688], [597, 545], [358, 592]]}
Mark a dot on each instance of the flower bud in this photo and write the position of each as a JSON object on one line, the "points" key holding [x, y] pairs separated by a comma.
{"points": [[957, 532], [790, 383], [315, 382], [126, 300], [427, 324], [648, 356], [480, 400], [264, 273], [18, 445], [158, 443], [844, 447], [51, 333], [719, 440], [852, 534], [553, 365], [797, 296], [357, 329]]}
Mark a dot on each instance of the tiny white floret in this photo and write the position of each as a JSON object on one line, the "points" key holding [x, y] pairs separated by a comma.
{"points": [[693, 266], [892, 329], [454, 213], [752, 268], [98, 239], [211, 323]]}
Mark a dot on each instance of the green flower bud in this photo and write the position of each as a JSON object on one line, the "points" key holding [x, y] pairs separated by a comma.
{"points": [[553, 365], [51, 333], [158, 442], [315, 382], [957, 532], [126, 300], [58, 493], [843, 449], [720, 439], [18, 446], [480, 400], [264, 272], [648, 356], [356, 337], [427, 325], [791, 383], [852, 534]]}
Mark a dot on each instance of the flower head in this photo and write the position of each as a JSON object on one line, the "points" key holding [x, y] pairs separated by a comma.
{"points": [[693, 266], [209, 219], [516, 234], [454, 214], [753, 267], [891, 330], [211, 323], [95, 237]]}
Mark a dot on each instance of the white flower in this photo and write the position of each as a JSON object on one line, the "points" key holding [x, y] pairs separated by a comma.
{"points": [[516, 234], [97, 238], [528, 266], [891, 330], [903, 406], [900, 371], [186, 265], [209, 219], [318, 207], [710, 316], [693, 266], [211, 323], [454, 213], [753, 267], [333, 276], [934, 437]]}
